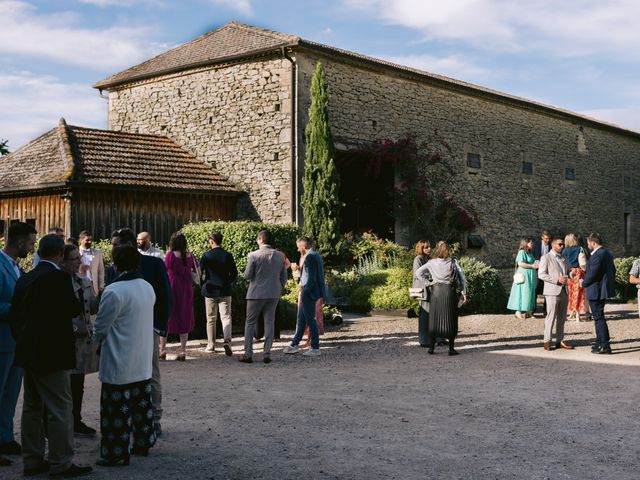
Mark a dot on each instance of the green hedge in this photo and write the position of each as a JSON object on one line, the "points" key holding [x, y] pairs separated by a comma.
{"points": [[624, 291], [485, 293], [387, 289], [239, 238]]}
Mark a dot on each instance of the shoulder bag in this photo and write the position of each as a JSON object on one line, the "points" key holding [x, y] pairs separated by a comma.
{"points": [[518, 277], [582, 259]]}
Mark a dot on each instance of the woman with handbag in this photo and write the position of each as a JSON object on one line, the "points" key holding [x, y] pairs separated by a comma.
{"points": [[523, 291], [577, 259], [448, 292], [86, 356], [422, 252], [183, 272]]}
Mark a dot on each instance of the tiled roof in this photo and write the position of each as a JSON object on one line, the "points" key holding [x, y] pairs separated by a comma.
{"points": [[77, 155], [235, 41], [230, 41]]}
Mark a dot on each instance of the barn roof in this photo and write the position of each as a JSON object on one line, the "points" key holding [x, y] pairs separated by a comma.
{"points": [[237, 41], [68, 155]]}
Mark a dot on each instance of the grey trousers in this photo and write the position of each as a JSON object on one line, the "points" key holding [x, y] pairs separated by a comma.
{"points": [[53, 391], [556, 313], [266, 307], [212, 306], [156, 388]]}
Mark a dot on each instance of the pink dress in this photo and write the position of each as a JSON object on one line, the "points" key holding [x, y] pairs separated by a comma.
{"points": [[181, 319]]}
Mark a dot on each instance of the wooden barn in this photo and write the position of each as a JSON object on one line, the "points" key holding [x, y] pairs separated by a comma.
{"points": [[99, 180]]}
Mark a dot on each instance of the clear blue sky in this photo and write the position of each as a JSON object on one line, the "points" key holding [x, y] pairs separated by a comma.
{"points": [[581, 55]]}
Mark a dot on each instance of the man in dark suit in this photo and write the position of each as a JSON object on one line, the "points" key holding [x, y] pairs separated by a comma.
{"points": [[312, 288], [600, 283], [541, 247], [153, 271], [220, 272], [41, 322]]}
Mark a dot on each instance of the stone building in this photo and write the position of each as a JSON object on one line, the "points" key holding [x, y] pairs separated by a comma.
{"points": [[237, 98], [99, 180]]}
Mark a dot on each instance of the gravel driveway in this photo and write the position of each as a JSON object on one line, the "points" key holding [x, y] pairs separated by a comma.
{"points": [[376, 406]]}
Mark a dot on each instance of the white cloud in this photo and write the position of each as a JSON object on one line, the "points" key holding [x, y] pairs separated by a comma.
{"points": [[37, 102], [627, 117], [123, 3], [454, 66], [241, 6], [61, 38], [582, 27]]}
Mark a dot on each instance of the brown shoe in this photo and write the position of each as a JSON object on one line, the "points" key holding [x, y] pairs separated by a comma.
{"points": [[547, 346], [564, 345]]}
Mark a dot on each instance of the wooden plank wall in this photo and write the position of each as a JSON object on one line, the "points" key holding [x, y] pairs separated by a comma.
{"points": [[48, 210], [103, 210]]}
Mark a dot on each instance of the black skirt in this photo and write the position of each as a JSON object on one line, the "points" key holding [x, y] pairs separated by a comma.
{"points": [[443, 311]]}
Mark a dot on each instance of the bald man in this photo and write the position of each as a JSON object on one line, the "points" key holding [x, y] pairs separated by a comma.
{"points": [[145, 248]]}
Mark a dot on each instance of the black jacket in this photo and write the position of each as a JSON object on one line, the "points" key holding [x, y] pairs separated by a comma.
{"points": [[220, 272], [41, 314]]}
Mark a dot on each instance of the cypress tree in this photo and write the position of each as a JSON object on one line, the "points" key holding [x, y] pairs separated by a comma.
{"points": [[321, 181]]}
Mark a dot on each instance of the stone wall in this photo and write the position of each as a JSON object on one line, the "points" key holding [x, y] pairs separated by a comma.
{"points": [[236, 118], [368, 105]]}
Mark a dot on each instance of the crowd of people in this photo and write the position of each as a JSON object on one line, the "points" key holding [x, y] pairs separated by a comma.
{"points": [[575, 275], [72, 315]]}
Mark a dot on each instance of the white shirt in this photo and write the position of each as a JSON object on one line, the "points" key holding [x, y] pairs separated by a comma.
{"points": [[152, 252]]}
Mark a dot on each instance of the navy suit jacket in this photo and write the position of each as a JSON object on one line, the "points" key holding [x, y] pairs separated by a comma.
{"points": [[41, 314], [312, 277], [600, 277]]}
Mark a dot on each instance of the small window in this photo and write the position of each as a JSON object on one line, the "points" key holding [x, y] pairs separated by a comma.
{"points": [[527, 168], [276, 156], [277, 107], [627, 229], [570, 173], [627, 183], [473, 160]]}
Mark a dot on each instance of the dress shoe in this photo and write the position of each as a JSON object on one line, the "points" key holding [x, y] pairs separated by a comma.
{"points": [[83, 430], [601, 350], [547, 346], [453, 352], [564, 345], [246, 359], [266, 358], [42, 468], [227, 350], [72, 472], [431, 351], [113, 462], [10, 448]]}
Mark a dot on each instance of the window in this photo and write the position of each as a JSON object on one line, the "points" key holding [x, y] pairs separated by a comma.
{"points": [[627, 229], [570, 173], [473, 160], [527, 168]]}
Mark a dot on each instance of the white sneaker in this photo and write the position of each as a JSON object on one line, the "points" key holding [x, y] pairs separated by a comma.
{"points": [[312, 352], [290, 349]]}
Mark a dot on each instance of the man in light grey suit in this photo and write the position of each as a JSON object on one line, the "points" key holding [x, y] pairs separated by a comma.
{"points": [[554, 272], [267, 275]]}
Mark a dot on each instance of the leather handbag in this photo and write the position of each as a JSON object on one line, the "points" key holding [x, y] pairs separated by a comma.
{"points": [[582, 259], [416, 292], [518, 277]]}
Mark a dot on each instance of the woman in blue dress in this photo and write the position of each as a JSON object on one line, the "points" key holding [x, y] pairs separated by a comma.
{"points": [[523, 295]]}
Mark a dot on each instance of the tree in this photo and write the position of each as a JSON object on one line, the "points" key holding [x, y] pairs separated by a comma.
{"points": [[4, 147], [321, 181]]}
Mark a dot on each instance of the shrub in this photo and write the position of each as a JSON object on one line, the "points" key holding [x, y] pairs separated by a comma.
{"points": [[240, 238], [382, 290], [368, 245], [623, 289], [485, 293]]}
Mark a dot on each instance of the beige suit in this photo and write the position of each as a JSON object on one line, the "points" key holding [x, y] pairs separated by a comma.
{"points": [[551, 268]]}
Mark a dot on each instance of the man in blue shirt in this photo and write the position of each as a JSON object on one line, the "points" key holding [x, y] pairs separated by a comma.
{"points": [[312, 287]]}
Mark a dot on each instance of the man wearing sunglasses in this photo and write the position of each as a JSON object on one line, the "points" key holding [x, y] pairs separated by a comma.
{"points": [[554, 272]]}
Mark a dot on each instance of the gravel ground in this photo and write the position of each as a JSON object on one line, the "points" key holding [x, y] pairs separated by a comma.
{"points": [[376, 406]]}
